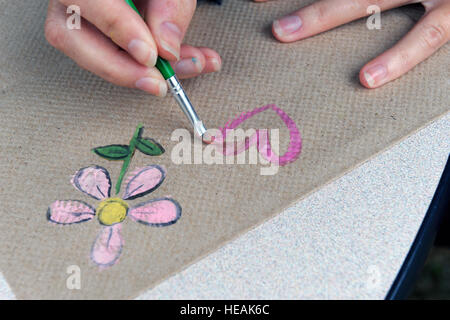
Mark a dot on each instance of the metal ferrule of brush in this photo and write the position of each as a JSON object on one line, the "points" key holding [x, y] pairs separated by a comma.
{"points": [[185, 104]]}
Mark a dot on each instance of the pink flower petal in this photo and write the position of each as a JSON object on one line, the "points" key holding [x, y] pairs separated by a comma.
{"points": [[143, 181], [157, 212], [94, 181], [107, 247], [69, 212]]}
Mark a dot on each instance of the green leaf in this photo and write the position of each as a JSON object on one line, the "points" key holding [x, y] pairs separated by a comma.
{"points": [[149, 147], [113, 152]]}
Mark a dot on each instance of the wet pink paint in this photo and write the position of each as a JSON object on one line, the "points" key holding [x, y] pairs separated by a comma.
{"points": [[261, 137]]}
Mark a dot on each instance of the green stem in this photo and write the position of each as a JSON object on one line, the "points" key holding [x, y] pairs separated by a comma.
{"points": [[127, 160]]}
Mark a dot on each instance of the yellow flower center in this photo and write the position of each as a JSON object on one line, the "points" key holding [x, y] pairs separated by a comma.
{"points": [[112, 211]]}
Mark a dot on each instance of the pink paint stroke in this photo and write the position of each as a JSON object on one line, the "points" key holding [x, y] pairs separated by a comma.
{"points": [[157, 212], [70, 212], [107, 246], [93, 181], [143, 181], [261, 137]]}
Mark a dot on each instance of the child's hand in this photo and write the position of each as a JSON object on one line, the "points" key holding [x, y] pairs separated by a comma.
{"points": [[427, 36], [112, 24]]}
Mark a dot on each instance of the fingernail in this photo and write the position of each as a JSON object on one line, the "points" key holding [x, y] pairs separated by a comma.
{"points": [[171, 38], [187, 67], [375, 74], [153, 86], [215, 63], [287, 25], [142, 52]]}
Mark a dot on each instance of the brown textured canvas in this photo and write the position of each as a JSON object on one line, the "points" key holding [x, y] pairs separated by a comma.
{"points": [[52, 114]]}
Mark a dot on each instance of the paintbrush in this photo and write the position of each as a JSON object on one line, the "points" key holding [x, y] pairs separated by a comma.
{"points": [[177, 90]]}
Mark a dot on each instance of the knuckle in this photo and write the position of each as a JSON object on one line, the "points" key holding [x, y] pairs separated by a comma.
{"points": [[183, 5], [54, 34], [379, 3], [363, 5], [179, 10], [64, 2], [433, 36], [111, 24], [321, 12], [190, 5], [404, 58], [173, 6]]}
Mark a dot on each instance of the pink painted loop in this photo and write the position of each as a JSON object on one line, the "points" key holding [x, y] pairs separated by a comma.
{"points": [[261, 137]]}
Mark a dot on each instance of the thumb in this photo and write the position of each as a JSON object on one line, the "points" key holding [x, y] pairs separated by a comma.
{"points": [[168, 21]]}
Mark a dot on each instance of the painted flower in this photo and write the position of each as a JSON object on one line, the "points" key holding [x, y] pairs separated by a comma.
{"points": [[112, 211]]}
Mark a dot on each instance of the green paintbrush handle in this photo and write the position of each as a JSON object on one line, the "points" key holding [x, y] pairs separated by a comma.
{"points": [[163, 65], [165, 68]]}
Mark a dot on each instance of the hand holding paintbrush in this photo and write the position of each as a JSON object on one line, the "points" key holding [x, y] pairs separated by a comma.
{"points": [[108, 25]]}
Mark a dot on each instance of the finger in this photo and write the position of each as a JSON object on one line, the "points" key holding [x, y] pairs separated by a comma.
{"points": [[195, 61], [93, 51], [427, 36], [118, 21], [213, 60], [168, 21], [324, 15], [191, 63]]}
